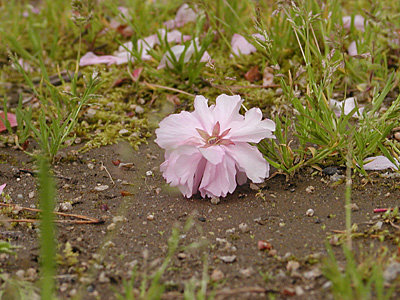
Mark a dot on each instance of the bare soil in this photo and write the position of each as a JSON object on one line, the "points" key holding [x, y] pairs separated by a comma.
{"points": [[147, 210]]}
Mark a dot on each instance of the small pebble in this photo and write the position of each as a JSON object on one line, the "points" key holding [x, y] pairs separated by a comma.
{"points": [[111, 227], [397, 135], [90, 166], [101, 188], [264, 245], [310, 189], [103, 278], [272, 252], [298, 290], [150, 217], [139, 110], [244, 228], [149, 173], [123, 131], [292, 266], [215, 200], [31, 195], [217, 275], [228, 258], [201, 219], [117, 219], [254, 187], [20, 274], [109, 244], [65, 206], [182, 255], [310, 212], [20, 196], [248, 272], [219, 219]]}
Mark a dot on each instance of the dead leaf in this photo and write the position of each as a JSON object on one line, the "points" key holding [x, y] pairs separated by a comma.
{"points": [[253, 74], [268, 76]]}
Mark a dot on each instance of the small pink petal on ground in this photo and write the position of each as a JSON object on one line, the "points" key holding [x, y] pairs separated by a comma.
{"points": [[241, 46], [2, 187], [352, 49], [184, 15], [337, 106], [12, 118], [358, 22], [92, 59], [379, 163], [136, 74]]}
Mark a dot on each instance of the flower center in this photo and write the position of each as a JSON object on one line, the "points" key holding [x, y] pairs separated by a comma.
{"points": [[216, 138], [212, 140]]}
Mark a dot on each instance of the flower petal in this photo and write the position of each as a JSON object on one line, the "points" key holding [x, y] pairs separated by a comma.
{"points": [[179, 129], [2, 187], [379, 163], [241, 46], [214, 155], [252, 129], [249, 160], [12, 118], [226, 110], [219, 180]]}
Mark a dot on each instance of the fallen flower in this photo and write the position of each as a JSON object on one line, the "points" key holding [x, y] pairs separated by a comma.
{"points": [[208, 150], [12, 119], [379, 163], [241, 46]]}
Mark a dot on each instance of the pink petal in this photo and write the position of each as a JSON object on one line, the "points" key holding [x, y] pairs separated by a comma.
{"points": [[249, 160], [178, 129], [252, 129], [214, 155], [379, 163], [185, 15], [219, 180], [2, 187], [349, 104], [206, 57], [259, 36], [358, 22], [136, 73], [204, 113], [170, 24], [12, 118], [177, 51], [227, 109], [241, 46], [352, 49], [184, 168], [92, 59]]}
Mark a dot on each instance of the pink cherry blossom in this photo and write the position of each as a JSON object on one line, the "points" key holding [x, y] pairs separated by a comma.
{"points": [[208, 150]]}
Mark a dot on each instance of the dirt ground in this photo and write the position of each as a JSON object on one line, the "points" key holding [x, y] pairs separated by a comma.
{"points": [[139, 211]]}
